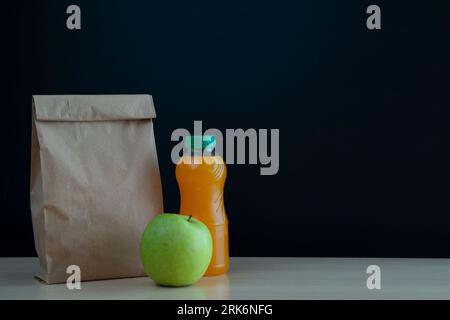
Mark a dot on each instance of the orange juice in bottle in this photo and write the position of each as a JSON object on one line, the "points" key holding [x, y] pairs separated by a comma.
{"points": [[201, 178]]}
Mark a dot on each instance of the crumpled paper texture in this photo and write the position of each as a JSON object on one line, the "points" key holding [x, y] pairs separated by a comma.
{"points": [[95, 184]]}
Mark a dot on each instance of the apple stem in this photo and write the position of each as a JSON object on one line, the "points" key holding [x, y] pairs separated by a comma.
{"points": [[190, 217]]}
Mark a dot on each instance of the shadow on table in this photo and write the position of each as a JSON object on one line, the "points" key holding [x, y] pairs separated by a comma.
{"points": [[208, 288]]}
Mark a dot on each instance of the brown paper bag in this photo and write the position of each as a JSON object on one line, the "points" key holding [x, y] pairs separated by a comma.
{"points": [[95, 184]]}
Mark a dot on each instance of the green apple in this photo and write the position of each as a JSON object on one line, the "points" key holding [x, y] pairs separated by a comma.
{"points": [[176, 250]]}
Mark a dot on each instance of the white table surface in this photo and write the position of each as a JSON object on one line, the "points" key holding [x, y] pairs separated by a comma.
{"points": [[253, 278]]}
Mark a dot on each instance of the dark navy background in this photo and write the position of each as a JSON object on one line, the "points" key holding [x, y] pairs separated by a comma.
{"points": [[363, 115]]}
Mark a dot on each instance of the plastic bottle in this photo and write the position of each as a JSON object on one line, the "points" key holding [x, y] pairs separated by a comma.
{"points": [[201, 178]]}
